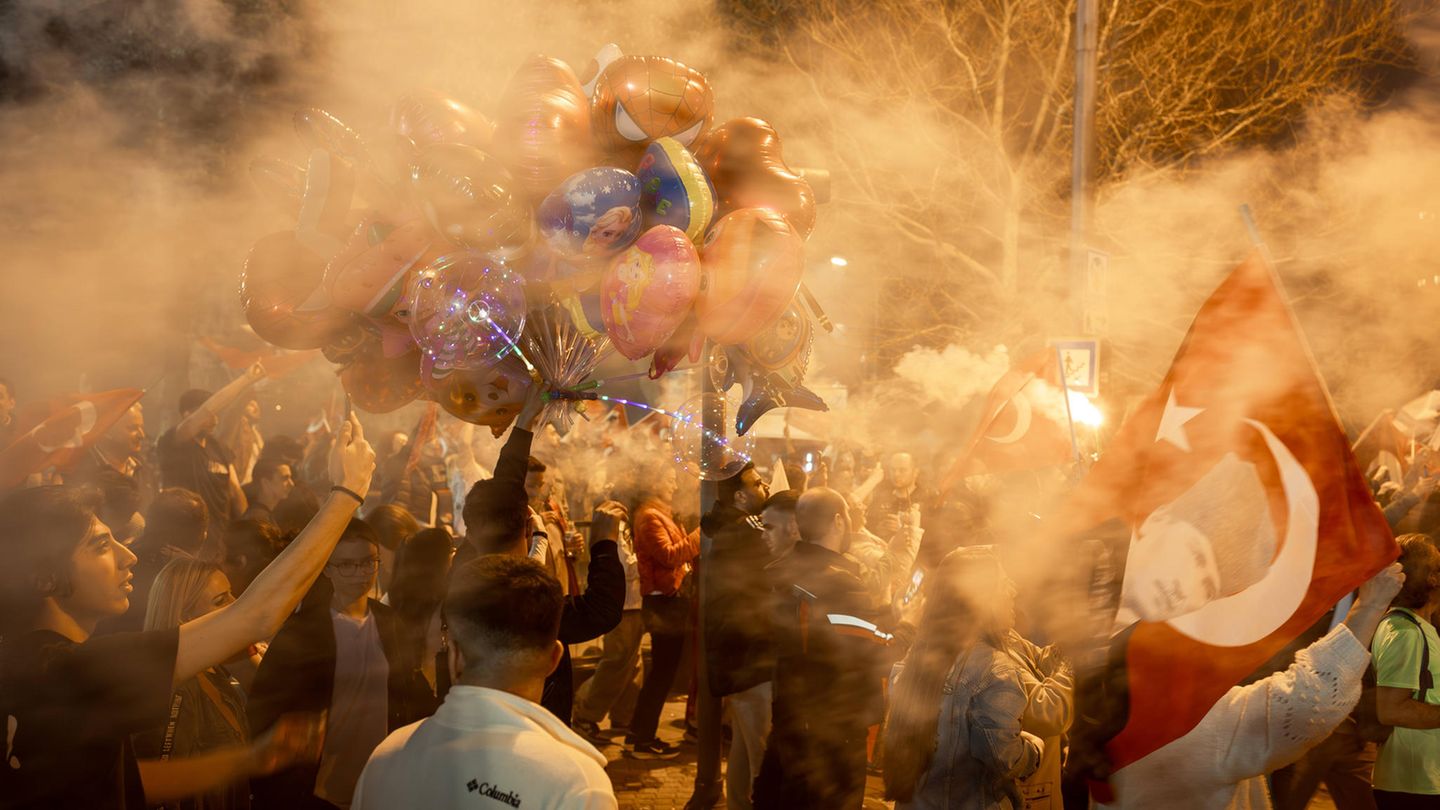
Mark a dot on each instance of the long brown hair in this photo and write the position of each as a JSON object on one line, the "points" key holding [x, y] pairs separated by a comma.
{"points": [[959, 611]]}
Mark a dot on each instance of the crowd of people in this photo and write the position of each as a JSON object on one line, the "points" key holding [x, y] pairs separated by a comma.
{"points": [[225, 620]]}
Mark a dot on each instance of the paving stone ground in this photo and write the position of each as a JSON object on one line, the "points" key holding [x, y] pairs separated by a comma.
{"points": [[667, 784]]}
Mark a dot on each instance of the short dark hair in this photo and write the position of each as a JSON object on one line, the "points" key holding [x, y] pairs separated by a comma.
{"points": [[358, 531], [498, 604], [784, 500], [40, 528], [284, 450], [266, 467], [1418, 560], [191, 400], [256, 542], [491, 518], [295, 512], [727, 487], [533, 464], [177, 517]]}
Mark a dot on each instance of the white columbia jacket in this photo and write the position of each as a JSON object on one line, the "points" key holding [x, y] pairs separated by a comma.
{"points": [[485, 749]]}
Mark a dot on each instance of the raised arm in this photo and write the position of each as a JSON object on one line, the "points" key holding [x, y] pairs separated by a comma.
{"points": [[1274, 721], [598, 610], [259, 612], [189, 427]]}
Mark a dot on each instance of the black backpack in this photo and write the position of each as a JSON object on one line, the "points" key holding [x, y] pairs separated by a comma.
{"points": [[1367, 718]]}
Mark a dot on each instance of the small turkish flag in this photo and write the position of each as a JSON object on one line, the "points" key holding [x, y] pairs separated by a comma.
{"points": [[277, 363], [1247, 515], [1024, 425], [75, 422]]}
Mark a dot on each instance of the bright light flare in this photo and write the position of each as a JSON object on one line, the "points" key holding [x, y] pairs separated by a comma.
{"points": [[1083, 411], [839, 261]]}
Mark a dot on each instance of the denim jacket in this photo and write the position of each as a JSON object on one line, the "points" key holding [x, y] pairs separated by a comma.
{"points": [[979, 753]]}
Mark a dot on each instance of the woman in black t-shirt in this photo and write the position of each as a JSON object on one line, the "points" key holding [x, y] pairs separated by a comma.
{"points": [[207, 712], [70, 701]]}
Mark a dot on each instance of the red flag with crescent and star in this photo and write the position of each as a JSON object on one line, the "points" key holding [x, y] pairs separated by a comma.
{"points": [[75, 422], [1247, 514], [1023, 426]]}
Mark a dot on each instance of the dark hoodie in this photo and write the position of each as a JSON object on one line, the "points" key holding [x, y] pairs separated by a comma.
{"points": [[738, 604]]}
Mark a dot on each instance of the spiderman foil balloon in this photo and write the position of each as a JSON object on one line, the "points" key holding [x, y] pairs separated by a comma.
{"points": [[639, 99]]}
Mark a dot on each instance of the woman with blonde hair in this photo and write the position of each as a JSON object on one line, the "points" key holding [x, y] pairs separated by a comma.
{"points": [[207, 712], [953, 736]]}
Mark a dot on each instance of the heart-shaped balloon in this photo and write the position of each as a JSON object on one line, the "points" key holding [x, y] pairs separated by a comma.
{"points": [[279, 275], [593, 215], [428, 117], [674, 189], [638, 99], [649, 289], [752, 264], [743, 158], [466, 195], [542, 127], [380, 384]]}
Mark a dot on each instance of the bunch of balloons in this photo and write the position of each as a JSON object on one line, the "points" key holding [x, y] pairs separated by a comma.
{"points": [[418, 256]]}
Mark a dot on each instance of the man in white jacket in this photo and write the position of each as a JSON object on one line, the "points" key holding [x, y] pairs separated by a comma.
{"points": [[1255, 729], [491, 738]]}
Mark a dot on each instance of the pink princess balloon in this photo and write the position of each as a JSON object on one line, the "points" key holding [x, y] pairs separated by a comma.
{"points": [[648, 290]]}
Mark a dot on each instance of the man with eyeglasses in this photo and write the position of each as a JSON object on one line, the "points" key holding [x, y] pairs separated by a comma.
{"points": [[341, 654]]}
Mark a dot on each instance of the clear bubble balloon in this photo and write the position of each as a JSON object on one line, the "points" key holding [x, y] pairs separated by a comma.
{"points": [[467, 310], [705, 442]]}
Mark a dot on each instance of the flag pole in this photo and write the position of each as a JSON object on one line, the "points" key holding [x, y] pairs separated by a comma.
{"points": [[1258, 242], [1069, 417]]}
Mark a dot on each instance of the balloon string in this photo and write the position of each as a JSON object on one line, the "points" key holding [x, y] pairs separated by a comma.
{"points": [[711, 435], [529, 366], [815, 308], [623, 378]]}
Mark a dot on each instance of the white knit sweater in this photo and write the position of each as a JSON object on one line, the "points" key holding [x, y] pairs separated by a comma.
{"points": [[1250, 732]]}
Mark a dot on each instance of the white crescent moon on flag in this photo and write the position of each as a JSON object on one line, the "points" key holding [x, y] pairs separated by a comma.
{"points": [[1259, 610], [1021, 404], [88, 417]]}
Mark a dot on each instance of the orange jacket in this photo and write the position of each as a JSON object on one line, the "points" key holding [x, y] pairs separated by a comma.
{"points": [[662, 549]]}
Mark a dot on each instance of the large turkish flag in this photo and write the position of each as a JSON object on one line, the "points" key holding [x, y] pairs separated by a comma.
{"points": [[1247, 514]]}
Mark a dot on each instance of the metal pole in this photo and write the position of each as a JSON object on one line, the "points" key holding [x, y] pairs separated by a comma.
{"points": [[1082, 186], [708, 789]]}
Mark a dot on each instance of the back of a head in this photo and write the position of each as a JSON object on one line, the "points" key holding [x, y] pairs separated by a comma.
{"points": [[393, 523], [1419, 560], [504, 614], [815, 512], [178, 517], [954, 617], [250, 545], [177, 584], [40, 528], [783, 501], [421, 565], [796, 476], [295, 512], [493, 520]]}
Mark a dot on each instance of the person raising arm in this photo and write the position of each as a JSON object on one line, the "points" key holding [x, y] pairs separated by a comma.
{"points": [[70, 700]]}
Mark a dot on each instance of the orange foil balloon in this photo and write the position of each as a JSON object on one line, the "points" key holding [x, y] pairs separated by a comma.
{"points": [[752, 263], [468, 196], [489, 396], [429, 117], [742, 157], [542, 129], [638, 99], [380, 384], [279, 275]]}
